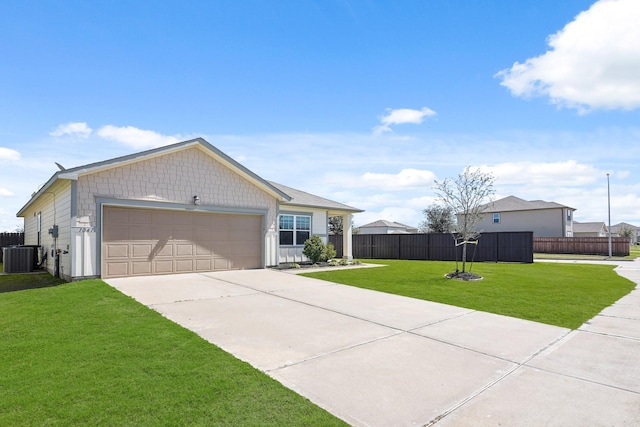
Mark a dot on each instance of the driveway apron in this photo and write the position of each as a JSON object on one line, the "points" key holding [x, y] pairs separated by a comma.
{"points": [[376, 359]]}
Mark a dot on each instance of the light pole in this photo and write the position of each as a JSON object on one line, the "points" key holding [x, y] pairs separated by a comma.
{"points": [[609, 209]]}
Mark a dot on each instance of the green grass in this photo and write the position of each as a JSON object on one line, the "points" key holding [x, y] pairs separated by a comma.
{"points": [[564, 295], [18, 282], [84, 354]]}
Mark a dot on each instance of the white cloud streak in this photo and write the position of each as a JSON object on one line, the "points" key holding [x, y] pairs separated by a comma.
{"points": [[401, 116], [134, 137], [567, 174], [7, 154], [72, 129], [5, 193], [593, 62]]}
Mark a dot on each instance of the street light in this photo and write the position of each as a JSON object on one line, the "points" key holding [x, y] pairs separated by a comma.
{"points": [[609, 209]]}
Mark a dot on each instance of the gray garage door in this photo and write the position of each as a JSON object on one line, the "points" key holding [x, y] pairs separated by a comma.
{"points": [[138, 242]]}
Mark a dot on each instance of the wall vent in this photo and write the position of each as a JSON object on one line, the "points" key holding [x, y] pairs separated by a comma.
{"points": [[18, 259]]}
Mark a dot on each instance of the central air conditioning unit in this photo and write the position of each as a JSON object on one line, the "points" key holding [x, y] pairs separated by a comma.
{"points": [[18, 259]]}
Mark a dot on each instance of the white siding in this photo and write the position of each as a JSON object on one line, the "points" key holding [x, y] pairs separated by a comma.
{"points": [[55, 208], [543, 222]]}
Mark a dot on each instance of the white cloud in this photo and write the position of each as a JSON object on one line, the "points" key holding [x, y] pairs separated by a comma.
{"points": [[403, 180], [5, 193], [134, 137], [76, 129], [9, 154], [559, 174], [401, 116], [593, 63]]}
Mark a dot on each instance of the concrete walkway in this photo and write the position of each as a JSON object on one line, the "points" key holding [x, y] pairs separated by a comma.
{"points": [[376, 359]]}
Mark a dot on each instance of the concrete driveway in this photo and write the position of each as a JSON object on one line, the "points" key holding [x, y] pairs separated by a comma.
{"points": [[376, 359]]}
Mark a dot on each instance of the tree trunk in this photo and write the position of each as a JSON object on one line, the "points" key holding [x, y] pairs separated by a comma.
{"points": [[464, 256]]}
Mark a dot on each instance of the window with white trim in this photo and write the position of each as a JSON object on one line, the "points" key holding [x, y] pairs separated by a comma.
{"points": [[496, 218], [294, 229]]}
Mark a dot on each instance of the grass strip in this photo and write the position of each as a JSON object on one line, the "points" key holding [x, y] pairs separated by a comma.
{"points": [[84, 354], [564, 295]]}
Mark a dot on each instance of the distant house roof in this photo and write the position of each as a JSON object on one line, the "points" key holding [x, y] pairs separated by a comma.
{"points": [[302, 198], [588, 227], [403, 228], [513, 203], [617, 227]]}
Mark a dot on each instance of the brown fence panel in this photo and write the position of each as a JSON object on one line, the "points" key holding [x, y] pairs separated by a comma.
{"points": [[515, 247], [492, 247], [581, 245], [385, 246], [10, 239], [336, 241], [414, 246]]}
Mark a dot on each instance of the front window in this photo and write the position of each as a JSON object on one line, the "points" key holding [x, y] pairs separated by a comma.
{"points": [[294, 229], [496, 218]]}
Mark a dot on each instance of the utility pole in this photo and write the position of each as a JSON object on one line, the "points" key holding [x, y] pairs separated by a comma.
{"points": [[609, 209]]}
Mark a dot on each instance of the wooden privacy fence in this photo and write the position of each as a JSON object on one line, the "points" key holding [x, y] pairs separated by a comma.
{"points": [[581, 245], [493, 247], [10, 239]]}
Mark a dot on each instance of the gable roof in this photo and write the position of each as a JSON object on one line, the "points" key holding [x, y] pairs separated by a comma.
{"points": [[588, 227], [283, 193], [385, 223], [200, 143], [617, 227], [302, 198], [513, 203]]}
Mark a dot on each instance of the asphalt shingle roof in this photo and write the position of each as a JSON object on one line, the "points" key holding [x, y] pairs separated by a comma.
{"points": [[513, 203]]}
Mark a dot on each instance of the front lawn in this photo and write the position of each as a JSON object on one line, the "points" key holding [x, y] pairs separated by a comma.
{"points": [[84, 354], [564, 295], [18, 282]]}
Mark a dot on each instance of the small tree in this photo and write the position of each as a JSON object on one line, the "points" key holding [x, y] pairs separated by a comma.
{"points": [[625, 231], [466, 196], [438, 219], [335, 225], [317, 251]]}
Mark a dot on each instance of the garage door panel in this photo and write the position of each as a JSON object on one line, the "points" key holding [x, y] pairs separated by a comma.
{"points": [[141, 250], [117, 251], [162, 249], [141, 268], [117, 269], [140, 241], [184, 265], [163, 267], [204, 264], [184, 250]]}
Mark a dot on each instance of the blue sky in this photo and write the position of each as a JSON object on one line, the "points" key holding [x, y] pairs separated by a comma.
{"points": [[363, 102]]}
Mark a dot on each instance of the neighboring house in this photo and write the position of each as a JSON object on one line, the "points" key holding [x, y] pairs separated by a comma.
{"points": [[186, 207], [635, 231], [589, 229], [386, 227], [545, 219]]}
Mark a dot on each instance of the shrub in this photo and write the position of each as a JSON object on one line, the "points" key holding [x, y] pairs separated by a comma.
{"points": [[331, 252], [317, 251]]}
